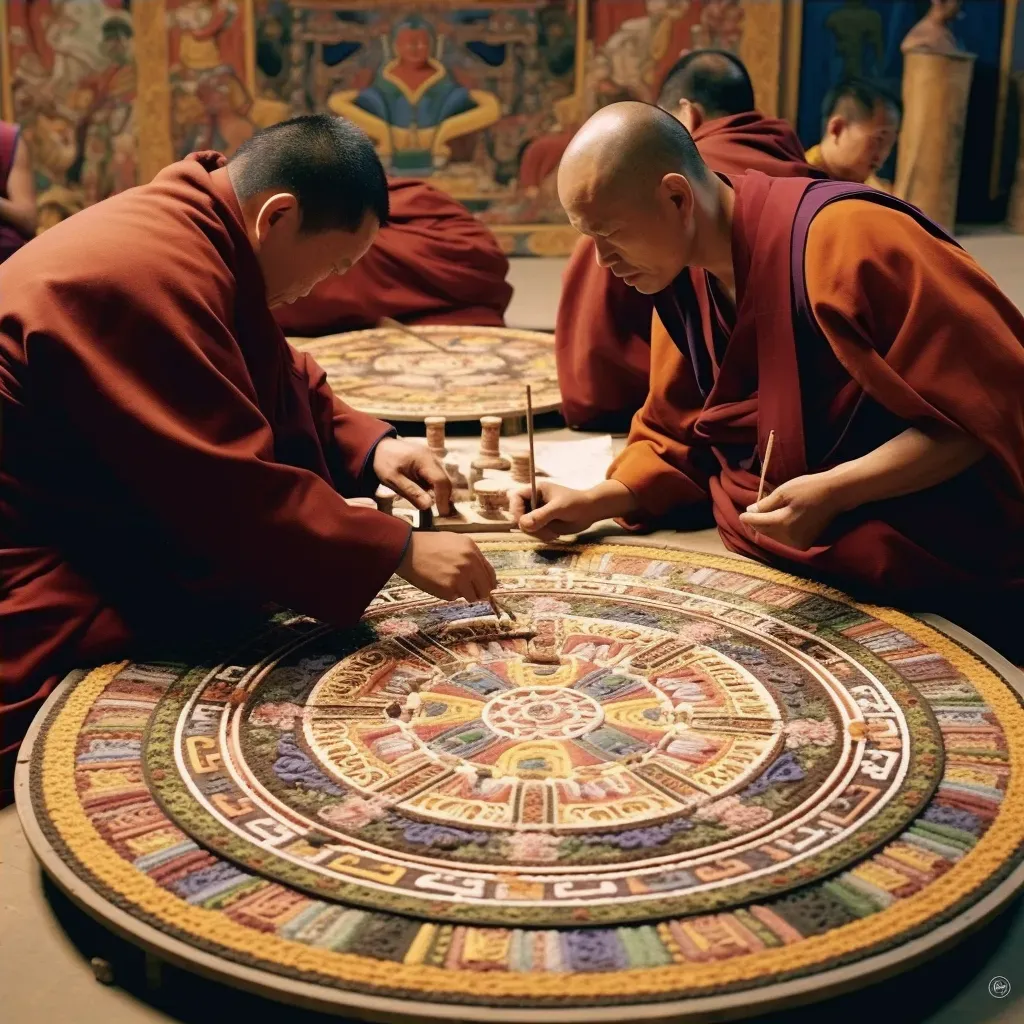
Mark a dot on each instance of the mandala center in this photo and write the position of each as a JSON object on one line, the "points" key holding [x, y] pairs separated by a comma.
{"points": [[536, 713]]}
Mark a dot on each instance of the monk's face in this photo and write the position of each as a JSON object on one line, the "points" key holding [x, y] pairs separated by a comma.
{"points": [[413, 46], [642, 235], [294, 261], [859, 147]]}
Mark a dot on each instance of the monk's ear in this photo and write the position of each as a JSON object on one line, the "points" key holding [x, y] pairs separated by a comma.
{"points": [[680, 192], [836, 126], [689, 115], [279, 207]]}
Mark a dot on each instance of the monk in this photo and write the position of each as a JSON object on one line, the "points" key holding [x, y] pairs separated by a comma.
{"points": [[886, 361], [861, 122], [433, 262], [603, 330], [169, 463]]}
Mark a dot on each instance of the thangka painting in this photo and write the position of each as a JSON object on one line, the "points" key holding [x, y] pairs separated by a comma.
{"points": [[861, 38], [71, 84], [452, 93], [210, 102]]}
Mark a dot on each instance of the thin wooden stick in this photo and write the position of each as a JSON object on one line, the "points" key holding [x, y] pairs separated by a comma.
{"points": [[533, 465], [386, 321], [764, 465]]}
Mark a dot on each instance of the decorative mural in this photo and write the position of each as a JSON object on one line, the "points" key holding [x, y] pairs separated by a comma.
{"points": [[451, 93], [479, 96], [211, 105], [71, 69], [844, 38]]}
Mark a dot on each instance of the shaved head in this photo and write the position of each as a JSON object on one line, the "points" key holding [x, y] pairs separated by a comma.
{"points": [[715, 79], [624, 143], [629, 180]]}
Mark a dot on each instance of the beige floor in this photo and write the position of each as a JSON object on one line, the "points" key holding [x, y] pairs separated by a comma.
{"points": [[46, 943]]}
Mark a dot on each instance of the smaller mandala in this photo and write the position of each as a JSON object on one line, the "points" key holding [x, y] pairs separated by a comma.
{"points": [[461, 373]]}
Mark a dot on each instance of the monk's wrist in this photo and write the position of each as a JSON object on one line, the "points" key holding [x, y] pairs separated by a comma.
{"points": [[611, 499], [844, 487]]}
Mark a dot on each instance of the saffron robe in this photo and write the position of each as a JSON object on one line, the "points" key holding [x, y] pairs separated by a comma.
{"points": [[433, 262], [815, 159], [855, 318], [168, 460], [603, 329]]}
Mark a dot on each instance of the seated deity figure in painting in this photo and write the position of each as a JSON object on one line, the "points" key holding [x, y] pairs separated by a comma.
{"points": [[414, 108]]}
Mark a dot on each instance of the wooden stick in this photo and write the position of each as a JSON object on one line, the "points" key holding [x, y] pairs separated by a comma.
{"points": [[386, 321], [764, 465], [533, 466]]}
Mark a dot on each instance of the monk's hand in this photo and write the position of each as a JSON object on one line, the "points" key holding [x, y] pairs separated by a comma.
{"points": [[796, 512], [447, 565], [564, 510], [411, 471]]}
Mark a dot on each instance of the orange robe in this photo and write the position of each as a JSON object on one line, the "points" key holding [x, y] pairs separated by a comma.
{"points": [[432, 263], [886, 323], [603, 329], [168, 459]]}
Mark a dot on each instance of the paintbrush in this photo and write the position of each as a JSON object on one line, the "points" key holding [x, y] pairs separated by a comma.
{"points": [[386, 321], [764, 465], [533, 465]]}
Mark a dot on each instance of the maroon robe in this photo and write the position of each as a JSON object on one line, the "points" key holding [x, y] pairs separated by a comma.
{"points": [[887, 324], [168, 459], [432, 263], [603, 329]]}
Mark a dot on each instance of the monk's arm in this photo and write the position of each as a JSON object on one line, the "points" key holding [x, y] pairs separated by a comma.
{"points": [[657, 464], [927, 335], [19, 208], [174, 423], [913, 461], [349, 437]]}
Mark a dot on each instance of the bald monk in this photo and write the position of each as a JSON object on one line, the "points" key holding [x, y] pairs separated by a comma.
{"points": [[861, 122], [603, 330], [433, 262], [168, 461], [886, 361]]}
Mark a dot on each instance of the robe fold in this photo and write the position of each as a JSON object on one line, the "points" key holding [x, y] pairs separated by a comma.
{"points": [[855, 318], [603, 329], [168, 461], [432, 263]]}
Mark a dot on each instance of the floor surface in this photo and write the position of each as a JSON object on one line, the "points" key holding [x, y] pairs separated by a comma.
{"points": [[46, 943]]}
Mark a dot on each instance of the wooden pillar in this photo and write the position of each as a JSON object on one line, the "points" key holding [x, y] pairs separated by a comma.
{"points": [[153, 88], [935, 91], [1015, 213]]}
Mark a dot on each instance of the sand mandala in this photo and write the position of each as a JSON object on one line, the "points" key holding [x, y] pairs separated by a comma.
{"points": [[461, 373], [673, 775]]}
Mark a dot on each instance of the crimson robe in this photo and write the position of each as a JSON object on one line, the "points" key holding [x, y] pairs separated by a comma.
{"points": [[432, 263], [168, 459], [542, 156], [603, 329], [855, 318]]}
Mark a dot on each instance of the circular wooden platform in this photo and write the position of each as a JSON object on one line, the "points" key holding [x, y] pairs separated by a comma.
{"points": [[461, 373], [678, 786]]}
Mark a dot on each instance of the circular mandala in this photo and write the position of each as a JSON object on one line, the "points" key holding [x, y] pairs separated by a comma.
{"points": [[674, 774], [461, 373]]}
